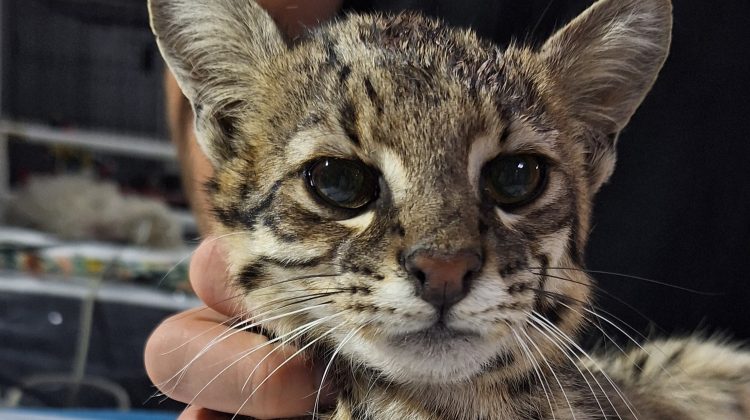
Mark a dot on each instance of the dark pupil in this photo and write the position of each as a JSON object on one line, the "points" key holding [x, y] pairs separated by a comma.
{"points": [[514, 178], [344, 183]]}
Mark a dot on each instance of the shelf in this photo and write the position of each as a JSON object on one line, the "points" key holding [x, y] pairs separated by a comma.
{"points": [[121, 144], [80, 288]]}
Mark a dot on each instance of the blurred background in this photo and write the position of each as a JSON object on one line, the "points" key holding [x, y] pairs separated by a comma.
{"points": [[95, 230]]}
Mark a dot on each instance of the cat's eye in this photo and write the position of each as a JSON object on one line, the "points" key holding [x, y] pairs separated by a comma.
{"points": [[343, 183], [514, 180]]}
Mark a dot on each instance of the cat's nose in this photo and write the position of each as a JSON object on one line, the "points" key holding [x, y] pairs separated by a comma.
{"points": [[443, 279]]}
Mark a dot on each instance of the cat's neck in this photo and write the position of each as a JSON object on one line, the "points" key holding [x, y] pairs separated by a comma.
{"points": [[493, 395]]}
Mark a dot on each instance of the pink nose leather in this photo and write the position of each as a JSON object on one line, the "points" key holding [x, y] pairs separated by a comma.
{"points": [[443, 280]]}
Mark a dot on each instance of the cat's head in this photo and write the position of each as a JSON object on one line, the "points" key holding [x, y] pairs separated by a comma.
{"points": [[413, 197]]}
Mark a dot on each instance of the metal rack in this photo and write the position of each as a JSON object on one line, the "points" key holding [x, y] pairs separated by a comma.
{"points": [[112, 143], [87, 64]]}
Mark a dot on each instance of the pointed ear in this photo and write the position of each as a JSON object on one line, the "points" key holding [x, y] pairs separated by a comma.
{"points": [[604, 62], [214, 48], [607, 59]]}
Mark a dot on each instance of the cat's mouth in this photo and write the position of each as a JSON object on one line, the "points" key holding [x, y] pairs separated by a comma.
{"points": [[437, 334], [435, 354]]}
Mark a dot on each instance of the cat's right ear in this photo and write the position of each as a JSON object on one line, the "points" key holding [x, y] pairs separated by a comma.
{"points": [[214, 49], [604, 62]]}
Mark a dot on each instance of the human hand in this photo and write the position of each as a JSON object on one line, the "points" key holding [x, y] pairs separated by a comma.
{"points": [[177, 364], [174, 356]]}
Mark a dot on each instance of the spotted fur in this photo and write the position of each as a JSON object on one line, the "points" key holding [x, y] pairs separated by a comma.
{"points": [[428, 106]]}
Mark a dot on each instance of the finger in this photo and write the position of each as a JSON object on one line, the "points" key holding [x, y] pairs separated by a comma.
{"points": [[209, 277], [214, 382], [199, 413]]}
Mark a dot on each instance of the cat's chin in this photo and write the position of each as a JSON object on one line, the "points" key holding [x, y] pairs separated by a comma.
{"points": [[436, 355]]}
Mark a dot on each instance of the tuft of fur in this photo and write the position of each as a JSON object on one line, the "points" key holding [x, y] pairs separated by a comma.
{"points": [[427, 107], [689, 378]]}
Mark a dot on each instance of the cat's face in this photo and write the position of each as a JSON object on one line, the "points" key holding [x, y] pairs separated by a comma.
{"points": [[412, 198]]}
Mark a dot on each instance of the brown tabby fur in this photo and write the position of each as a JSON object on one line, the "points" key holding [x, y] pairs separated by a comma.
{"points": [[428, 106]]}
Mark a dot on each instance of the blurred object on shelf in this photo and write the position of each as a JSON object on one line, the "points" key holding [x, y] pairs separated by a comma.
{"points": [[78, 207], [39, 254], [138, 165]]}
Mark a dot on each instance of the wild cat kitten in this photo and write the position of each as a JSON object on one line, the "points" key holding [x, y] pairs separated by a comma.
{"points": [[410, 204]]}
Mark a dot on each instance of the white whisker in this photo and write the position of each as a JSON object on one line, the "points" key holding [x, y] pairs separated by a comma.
{"points": [[226, 323], [245, 354], [224, 336], [536, 322], [341, 345], [535, 364], [663, 369], [602, 371], [288, 359], [287, 338], [557, 379]]}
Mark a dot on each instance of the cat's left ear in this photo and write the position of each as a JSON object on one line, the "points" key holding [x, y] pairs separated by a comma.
{"points": [[604, 62], [216, 50]]}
